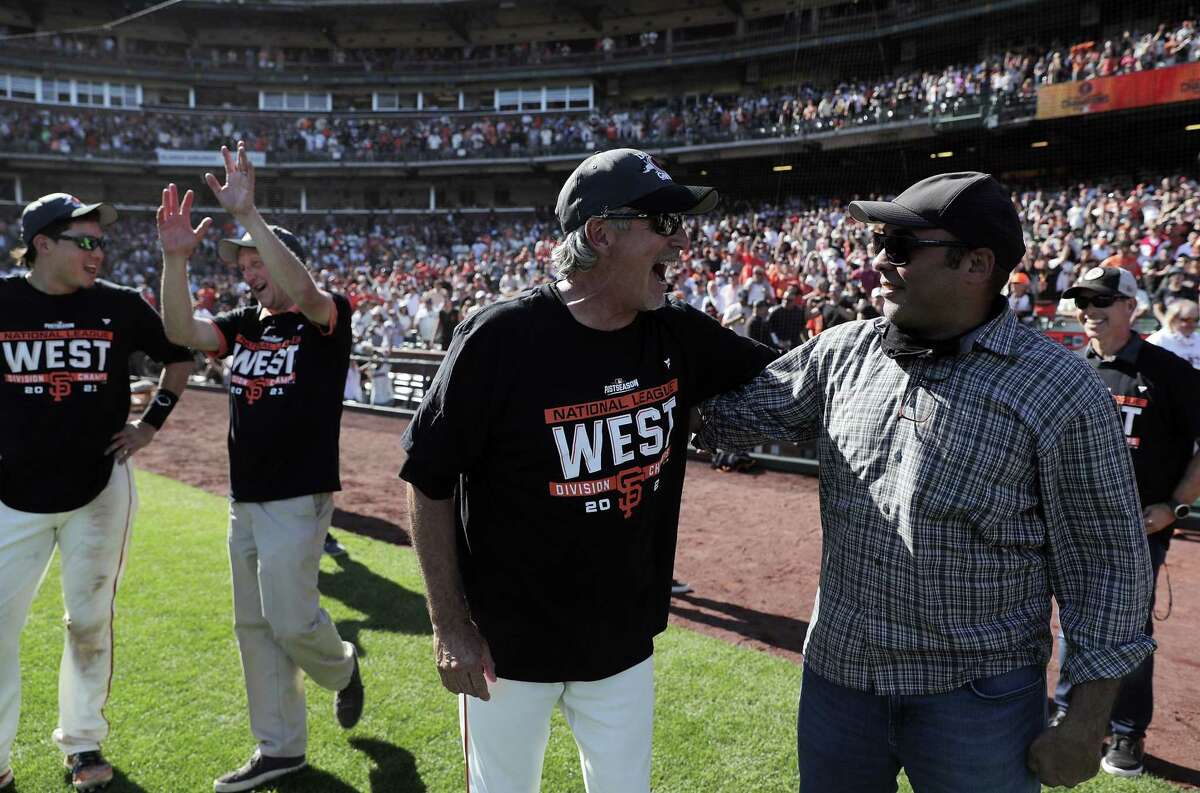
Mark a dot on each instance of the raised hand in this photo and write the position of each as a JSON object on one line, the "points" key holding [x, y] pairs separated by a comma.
{"points": [[236, 196], [175, 232]]}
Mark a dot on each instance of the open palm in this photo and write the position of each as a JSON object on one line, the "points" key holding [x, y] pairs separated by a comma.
{"points": [[236, 196], [175, 232]]}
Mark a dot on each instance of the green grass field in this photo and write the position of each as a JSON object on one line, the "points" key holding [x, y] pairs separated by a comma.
{"points": [[725, 716]]}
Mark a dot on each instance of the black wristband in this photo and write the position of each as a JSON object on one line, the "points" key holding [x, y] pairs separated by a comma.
{"points": [[159, 408]]}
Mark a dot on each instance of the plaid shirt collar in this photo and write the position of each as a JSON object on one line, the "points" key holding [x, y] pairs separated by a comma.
{"points": [[998, 334]]}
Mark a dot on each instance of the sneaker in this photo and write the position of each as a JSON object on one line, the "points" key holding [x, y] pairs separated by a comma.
{"points": [[679, 587], [1057, 718], [1124, 756], [6, 778], [258, 770], [348, 703], [89, 770], [333, 547]]}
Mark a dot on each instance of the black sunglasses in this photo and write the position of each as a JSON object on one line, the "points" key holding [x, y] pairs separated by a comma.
{"points": [[900, 247], [665, 224], [1099, 301], [85, 242]]}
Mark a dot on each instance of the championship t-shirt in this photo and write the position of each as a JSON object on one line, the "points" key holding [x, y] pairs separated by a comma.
{"points": [[1156, 396], [564, 448], [285, 400], [64, 387]]}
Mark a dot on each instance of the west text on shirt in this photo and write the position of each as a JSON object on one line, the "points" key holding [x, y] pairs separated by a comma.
{"points": [[64, 387], [285, 400], [564, 448]]}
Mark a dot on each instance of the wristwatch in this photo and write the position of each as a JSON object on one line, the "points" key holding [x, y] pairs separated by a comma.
{"points": [[1180, 509]]}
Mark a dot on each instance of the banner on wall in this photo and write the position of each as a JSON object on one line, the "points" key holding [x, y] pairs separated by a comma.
{"points": [[1141, 89], [207, 158]]}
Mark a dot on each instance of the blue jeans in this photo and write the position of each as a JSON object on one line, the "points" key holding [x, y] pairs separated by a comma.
{"points": [[973, 738], [1134, 706]]}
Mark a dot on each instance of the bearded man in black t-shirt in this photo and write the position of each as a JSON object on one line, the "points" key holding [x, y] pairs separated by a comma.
{"points": [[288, 361], [547, 464], [1155, 395], [64, 452]]}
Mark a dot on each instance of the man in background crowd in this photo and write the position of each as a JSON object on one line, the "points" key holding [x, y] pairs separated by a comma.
{"points": [[1178, 333], [1156, 395]]}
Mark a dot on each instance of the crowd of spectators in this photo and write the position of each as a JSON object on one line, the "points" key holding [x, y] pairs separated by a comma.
{"points": [[778, 272], [1001, 79]]}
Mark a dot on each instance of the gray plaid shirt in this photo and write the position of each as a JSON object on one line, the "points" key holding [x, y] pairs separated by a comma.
{"points": [[957, 495]]}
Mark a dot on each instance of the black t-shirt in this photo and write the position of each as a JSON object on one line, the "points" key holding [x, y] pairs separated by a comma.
{"points": [[285, 400], [1156, 395], [65, 387], [564, 448]]}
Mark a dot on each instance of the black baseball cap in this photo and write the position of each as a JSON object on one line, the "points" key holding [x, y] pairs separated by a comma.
{"points": [[626, 178], [972, 206], [227, 249], [1115, 281], [59, 206]]}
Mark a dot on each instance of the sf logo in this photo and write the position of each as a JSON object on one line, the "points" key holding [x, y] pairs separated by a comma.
{"points": [[629, 482], [253, 391], [60, 385]]}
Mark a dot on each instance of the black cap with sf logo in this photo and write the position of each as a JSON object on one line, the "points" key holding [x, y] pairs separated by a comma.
{"points": [[619, 178]]}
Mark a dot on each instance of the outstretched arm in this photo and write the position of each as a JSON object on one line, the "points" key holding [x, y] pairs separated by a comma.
{"points": [[178, 241], [236, 196]]}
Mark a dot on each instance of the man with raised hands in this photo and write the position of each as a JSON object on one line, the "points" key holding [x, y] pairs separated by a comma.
{"points": [[288, 359]]}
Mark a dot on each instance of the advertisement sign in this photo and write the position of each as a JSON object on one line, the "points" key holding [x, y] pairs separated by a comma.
{"points": [[203, 158], [1141, 89]]}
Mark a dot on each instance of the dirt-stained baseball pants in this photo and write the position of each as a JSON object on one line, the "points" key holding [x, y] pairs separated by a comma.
{"points": [[93, 542], [275, 553], [612, 721]]}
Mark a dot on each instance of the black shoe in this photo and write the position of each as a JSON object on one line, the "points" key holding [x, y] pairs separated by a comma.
{"points": [[333, 547], [348, 703], [679, 587], [89, 770], [1124, 756], [258, 770], [1057, 718]]}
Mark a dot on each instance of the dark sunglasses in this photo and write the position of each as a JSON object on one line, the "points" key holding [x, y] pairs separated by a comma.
{"points": [[1099, 301], [664, 224], [900, 247], [85, 242]]}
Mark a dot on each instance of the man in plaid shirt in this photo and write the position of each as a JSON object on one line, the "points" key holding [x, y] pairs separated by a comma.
{"points": [[970, 470]]}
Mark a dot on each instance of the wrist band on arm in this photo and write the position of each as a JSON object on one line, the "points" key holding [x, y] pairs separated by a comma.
{"points": [[159, 408]]}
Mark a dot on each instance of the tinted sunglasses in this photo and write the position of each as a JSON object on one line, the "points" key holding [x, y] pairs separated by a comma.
{"points": [[900, 247], [1099, 301], [664, 224], [85, 242]]}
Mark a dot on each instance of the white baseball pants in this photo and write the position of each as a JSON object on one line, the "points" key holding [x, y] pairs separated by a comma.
{"points": [[612, 721], [275, 554], [93, 542]]}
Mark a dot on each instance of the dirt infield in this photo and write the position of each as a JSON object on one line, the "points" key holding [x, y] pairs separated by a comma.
{"points": [[749, 545]]}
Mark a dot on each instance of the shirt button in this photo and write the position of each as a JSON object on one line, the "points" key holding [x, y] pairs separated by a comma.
{"points": [[898, 456], [887, 510]]}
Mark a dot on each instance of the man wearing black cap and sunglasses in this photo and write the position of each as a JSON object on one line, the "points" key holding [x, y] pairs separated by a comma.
{"points": [[1155, 393], [546, 465], [66, 338], [970, 469], [288, 359]]}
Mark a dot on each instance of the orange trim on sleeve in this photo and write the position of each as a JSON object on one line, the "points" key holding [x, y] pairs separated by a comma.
{"points": [[222, 350]]}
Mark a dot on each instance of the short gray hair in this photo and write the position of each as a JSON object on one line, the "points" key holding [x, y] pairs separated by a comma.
{"points": [[575, 254]]}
